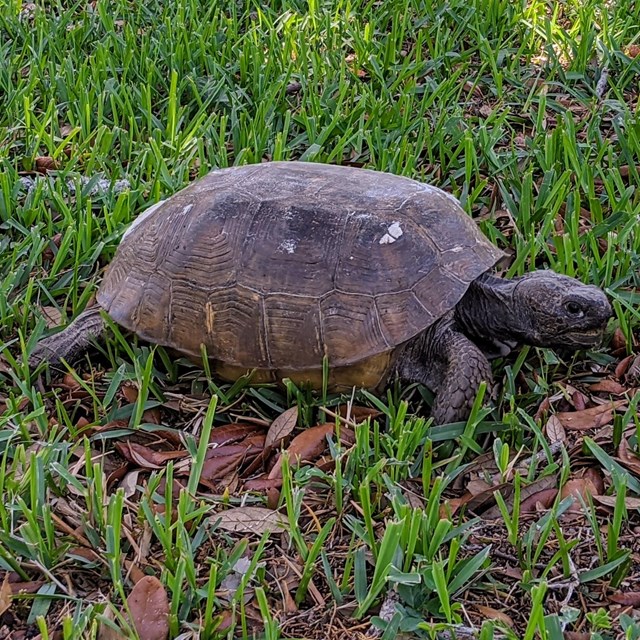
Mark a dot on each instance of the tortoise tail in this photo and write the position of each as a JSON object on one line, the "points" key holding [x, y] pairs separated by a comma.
{"points": [[72, 341]]}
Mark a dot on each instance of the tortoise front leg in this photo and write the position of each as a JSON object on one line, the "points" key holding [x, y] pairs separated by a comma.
{"points": [[452, 366], [72, 341]]}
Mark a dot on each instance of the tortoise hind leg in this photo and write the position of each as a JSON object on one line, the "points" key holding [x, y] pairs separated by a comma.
{"points": [[72, 341]]}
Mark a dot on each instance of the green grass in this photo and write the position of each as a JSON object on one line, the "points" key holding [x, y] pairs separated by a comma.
{"points": [[494, 101]]}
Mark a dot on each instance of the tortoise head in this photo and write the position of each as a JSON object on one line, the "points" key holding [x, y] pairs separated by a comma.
{"points": [[559, 311]]}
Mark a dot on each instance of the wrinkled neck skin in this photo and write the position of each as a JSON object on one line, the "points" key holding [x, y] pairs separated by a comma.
{"points": [[486, 314]]}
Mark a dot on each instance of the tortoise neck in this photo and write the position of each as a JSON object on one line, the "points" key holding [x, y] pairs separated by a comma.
{"points": [[487, 310]]}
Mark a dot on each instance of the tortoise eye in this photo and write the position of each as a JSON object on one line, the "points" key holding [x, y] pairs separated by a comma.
{"points": [[574, 308]]}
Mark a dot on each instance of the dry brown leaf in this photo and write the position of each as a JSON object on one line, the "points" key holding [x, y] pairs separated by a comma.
{"points": [[545, 405], [263, 483], [622, 366], [149, 607], [610, 501], [543, 498], [25, 587], [249, 520], [145, 457], [358, 414], [494, 614], [6, 594], [478, 486], [618, 340], [609, 386], [45, 163], [129, 392], [134, 572], [579, 488], [250, 446], [304, 447], [52, 316], [626, 598], [273, 497], [229, 433], [591, 418], [632, 51], [219, 467], [506, 489], [628, 458], [594, 476], [579, 400], [152, 416], [632, 376], [281, 427], [451, 506], [555, 430]]}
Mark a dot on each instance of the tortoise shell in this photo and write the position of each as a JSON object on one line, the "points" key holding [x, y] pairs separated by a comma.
{"points": [[275, 266]]}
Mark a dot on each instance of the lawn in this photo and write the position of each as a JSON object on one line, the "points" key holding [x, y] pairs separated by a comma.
{"points": [[522, 523]]}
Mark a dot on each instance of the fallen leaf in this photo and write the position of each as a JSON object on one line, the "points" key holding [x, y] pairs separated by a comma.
{"points": [[610, 501], [44, 164], [273, 497], [626, 598], [578, 488], [555, 430], [544, 498], [217, 468], [249, 520], [263, 483], [545, 405], [281, 427], [358, 414], [506, 489], [31, 586], [591, 418], [52, 316], [304, 447], [632, 376], [130, 483], [6, 594], [149, 607], [134, 572], [628, 458], [145, 457], [494, 614], [232, 433], [609, 386], [579, 400], [449, 507], [250, 446], [622, 366], [129, 392], [478, 486], [152, 416]]}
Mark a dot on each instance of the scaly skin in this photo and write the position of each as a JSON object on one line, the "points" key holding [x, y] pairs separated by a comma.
{"points": [[445, 360], [70, 343]]}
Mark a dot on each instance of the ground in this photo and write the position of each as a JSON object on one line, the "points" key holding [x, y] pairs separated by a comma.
{"points": [[521, 523]]}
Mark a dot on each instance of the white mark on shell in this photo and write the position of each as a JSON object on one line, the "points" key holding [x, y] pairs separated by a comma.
{"points": [[393, 233], [288, 246], [142, 216], [456, 249]]}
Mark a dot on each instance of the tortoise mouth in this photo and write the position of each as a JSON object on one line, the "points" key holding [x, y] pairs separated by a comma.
{"points": [[583, 337]]}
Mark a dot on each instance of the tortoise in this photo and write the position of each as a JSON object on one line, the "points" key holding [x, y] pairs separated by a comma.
{"points": [[275, 267]]}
